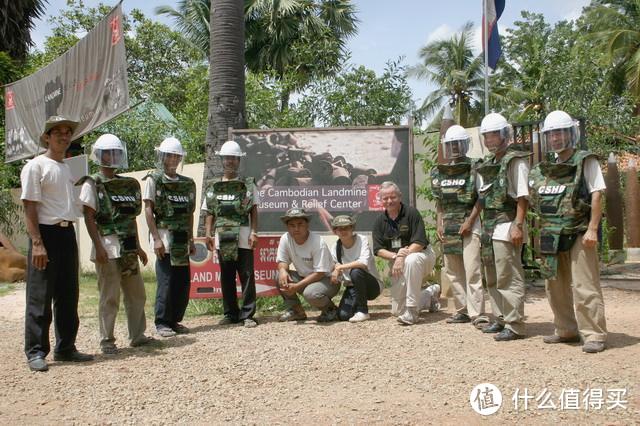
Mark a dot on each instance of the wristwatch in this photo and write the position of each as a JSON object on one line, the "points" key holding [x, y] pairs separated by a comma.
{"points": [[518, 224]]}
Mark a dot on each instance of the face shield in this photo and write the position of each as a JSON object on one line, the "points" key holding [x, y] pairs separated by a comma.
{"points": [[496, 141], [230, 164], [169, 162], [557, 140], [455, 149], [111, 158]]}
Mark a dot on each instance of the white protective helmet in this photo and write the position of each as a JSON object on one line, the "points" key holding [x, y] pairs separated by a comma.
{"points": [[455, 143], [109, 151], [230, 149], [171, 145], [169, 155], [495, 122], [559, 132]]}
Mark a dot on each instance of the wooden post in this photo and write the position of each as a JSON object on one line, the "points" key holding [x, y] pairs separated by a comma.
{"points": [[614, 204]]}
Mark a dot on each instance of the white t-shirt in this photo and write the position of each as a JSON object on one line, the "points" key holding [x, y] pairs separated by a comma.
{"points": [[245, 231], [50, 184], [149, 193], [593, 175], [360, 252], [111, 243], [517, 186], [312, 256]]}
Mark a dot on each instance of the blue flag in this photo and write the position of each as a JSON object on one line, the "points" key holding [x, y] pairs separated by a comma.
{"points": [[493, 12]]}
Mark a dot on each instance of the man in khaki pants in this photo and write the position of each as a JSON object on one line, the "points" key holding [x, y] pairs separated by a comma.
{"points": [[566, 194], [454, 188], [503, 194]]}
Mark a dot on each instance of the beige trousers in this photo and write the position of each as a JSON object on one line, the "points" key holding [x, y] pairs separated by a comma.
{"points": [[405, 289], [110, 280], [578, 284], [464, 273], [505, 284]]}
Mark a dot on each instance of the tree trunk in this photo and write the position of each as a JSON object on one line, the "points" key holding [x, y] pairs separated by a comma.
{"points": [[226, 82]]}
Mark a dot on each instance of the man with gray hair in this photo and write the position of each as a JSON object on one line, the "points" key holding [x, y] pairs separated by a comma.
{"points": [[399, 237]]}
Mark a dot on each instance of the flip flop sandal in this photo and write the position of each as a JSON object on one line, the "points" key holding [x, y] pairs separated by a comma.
{"points": [[481, 322]]}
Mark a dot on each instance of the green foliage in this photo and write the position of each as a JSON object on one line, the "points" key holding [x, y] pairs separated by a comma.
{"points": [[17, 19], [358, 97]]}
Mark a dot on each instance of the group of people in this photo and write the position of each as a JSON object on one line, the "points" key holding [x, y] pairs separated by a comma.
{"points": [[481, 208]]}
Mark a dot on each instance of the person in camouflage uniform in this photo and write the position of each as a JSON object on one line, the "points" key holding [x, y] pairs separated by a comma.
{"points": [[503, 194], [566, 194], [111, 203], [231, 204], [170, 200], [458, 224]]}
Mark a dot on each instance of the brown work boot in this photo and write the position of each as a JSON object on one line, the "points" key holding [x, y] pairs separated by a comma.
{"points": [[293, 315], [554, 338]]}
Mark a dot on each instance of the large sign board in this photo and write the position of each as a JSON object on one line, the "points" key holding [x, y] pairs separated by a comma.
{"points": [[328, 171], [87, 83], [205, 270]]}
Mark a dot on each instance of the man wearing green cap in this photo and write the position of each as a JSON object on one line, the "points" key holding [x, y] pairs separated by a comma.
{"points": [[311, 257], [355, 268], [50, 208]]}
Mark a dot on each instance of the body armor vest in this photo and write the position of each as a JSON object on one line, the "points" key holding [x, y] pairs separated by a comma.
{"points": [[230, 202], [559, 196], [497, 205], [118, 204], [173, 210], [453, 186]]}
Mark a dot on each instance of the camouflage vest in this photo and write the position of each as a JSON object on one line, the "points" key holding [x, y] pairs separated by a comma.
{"points": [[497, 205], [559, 196], [118, 204], [173, 210], [453, 186], [230, 202]]}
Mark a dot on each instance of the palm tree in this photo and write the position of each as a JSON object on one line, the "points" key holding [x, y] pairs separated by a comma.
{"points": [[226, 80], [294, 40], [192, 21], [16, 22], [615, 24], [451, 65]]}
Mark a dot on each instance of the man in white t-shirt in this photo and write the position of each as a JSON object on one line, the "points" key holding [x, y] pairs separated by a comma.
{"points": [[567, 195], [50, 208], [503, 194], [111, 204], [312, 260]]}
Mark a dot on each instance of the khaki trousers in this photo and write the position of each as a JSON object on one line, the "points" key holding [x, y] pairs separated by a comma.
{"points": [[578, 284], [505, 284], [464, 274], [110, 280], [405, 289]]}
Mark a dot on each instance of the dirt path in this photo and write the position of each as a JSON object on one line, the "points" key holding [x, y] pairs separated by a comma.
{"points": [[341, 373]]}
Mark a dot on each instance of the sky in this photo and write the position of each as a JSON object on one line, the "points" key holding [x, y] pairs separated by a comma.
{"points": [[389, 29]]}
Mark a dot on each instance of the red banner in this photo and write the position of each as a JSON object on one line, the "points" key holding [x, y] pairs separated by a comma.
{"points": [[205, 270]]}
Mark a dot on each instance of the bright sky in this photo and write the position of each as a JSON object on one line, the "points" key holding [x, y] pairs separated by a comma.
{"points": [[389, 29]]}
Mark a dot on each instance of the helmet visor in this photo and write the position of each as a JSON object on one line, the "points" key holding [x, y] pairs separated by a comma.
{"points": [[110, 158], [557, 140], [455, 149], [169, 162], [496, 141]]}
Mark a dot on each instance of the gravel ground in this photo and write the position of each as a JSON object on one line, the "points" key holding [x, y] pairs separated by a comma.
{"points": [[341, 373]]}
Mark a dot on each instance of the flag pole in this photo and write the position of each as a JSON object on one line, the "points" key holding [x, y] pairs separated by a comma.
{"points": [[485, 42]]}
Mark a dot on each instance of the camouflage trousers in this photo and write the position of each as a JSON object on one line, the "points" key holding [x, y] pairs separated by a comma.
{"points": [[505, 284], [578, 283], [111, 279], [464, 272]]}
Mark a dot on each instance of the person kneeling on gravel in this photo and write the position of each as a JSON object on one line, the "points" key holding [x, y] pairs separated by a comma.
{"points": [[356, 269], [312, 261]]}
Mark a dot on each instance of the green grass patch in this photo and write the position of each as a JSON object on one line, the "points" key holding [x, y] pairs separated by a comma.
{"points": [[6, 288]]}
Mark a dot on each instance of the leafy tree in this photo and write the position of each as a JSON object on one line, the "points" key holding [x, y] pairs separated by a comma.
{"points": [[357, 97], [458, 75], [16, 22], [296, 41], [615, 27]]}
